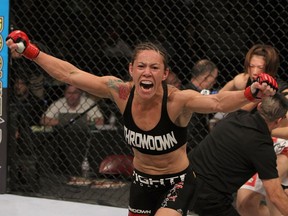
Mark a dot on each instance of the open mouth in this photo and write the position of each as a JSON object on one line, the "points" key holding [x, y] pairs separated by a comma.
{"points": [[146, 84]]}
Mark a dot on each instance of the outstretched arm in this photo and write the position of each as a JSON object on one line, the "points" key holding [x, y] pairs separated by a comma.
{"points": [[62, 70], [239, 83], [228, 101], [68, 73]]}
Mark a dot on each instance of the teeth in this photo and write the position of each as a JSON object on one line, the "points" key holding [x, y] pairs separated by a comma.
{"points": [[147, 82]]}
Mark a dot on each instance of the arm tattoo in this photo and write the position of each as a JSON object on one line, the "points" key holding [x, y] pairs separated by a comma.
{"points": [[123, 90], [113, 83], [72, 72]]}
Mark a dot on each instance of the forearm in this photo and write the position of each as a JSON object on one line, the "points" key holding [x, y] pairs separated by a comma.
{"points": [[226, 101], [281, 203], [229, 101], [68, 73], [276, 194], [57, 68], [280, 132]]}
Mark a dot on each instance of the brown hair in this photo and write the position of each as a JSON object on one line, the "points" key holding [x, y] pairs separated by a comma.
{"points": [[151, 46], [270, 55]]}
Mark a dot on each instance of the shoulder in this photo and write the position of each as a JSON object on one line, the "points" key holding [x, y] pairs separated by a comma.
{"points": [[125, 89], [119, 89], [180, 98], [121, 94], [242, 77], [177, 94], [240, 81], [237, 83], [176, 103]]}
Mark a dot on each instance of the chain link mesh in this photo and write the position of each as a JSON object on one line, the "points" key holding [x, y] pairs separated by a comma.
{"points": [[98, 37]]}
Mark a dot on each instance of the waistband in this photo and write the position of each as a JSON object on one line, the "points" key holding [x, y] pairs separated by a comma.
{"points": [[158, 180]]}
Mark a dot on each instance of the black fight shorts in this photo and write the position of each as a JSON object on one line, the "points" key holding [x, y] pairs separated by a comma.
{"points": [[150, 192]]}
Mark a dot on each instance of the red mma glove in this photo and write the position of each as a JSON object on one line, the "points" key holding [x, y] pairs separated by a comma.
{"points": [[262, 78], [25, 48]]}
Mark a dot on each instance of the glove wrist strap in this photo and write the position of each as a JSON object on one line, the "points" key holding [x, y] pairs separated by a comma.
{"points": [[248, 94], [31, 52]]}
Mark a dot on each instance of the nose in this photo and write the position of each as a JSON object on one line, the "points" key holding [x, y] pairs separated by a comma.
{"points": [[147, 72], [256, 69]]}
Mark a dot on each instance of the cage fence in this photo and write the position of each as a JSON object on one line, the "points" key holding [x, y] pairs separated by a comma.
{"points": [[98, 37]]}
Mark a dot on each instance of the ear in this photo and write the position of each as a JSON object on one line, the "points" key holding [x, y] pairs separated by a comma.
{"points": [[259, 106], [277, 122], [131, 69], [166, 73]]}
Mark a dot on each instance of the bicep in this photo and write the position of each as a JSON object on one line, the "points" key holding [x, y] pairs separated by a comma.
{"points": [[193, 101], [95, 85]]}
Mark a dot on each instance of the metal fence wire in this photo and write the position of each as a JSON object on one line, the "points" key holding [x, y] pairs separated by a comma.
{"points": [[98, 36]]}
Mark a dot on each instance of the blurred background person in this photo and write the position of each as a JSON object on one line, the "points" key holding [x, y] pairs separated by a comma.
{"points": [[74, 101], [203, 76], [27, 105], [25, 111]]}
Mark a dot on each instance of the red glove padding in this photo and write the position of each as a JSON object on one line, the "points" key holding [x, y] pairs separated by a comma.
{"points": [[266, 78], [29, 50], [262, 78]]}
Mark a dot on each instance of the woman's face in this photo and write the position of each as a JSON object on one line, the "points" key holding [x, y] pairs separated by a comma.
{"points": [[148, 72], [256, 66]]}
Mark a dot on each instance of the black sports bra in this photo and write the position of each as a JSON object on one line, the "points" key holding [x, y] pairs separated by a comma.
{"points": [[165, 137]]}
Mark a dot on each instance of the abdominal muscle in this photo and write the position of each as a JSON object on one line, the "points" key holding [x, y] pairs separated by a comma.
{"points": [[169, 163]]}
